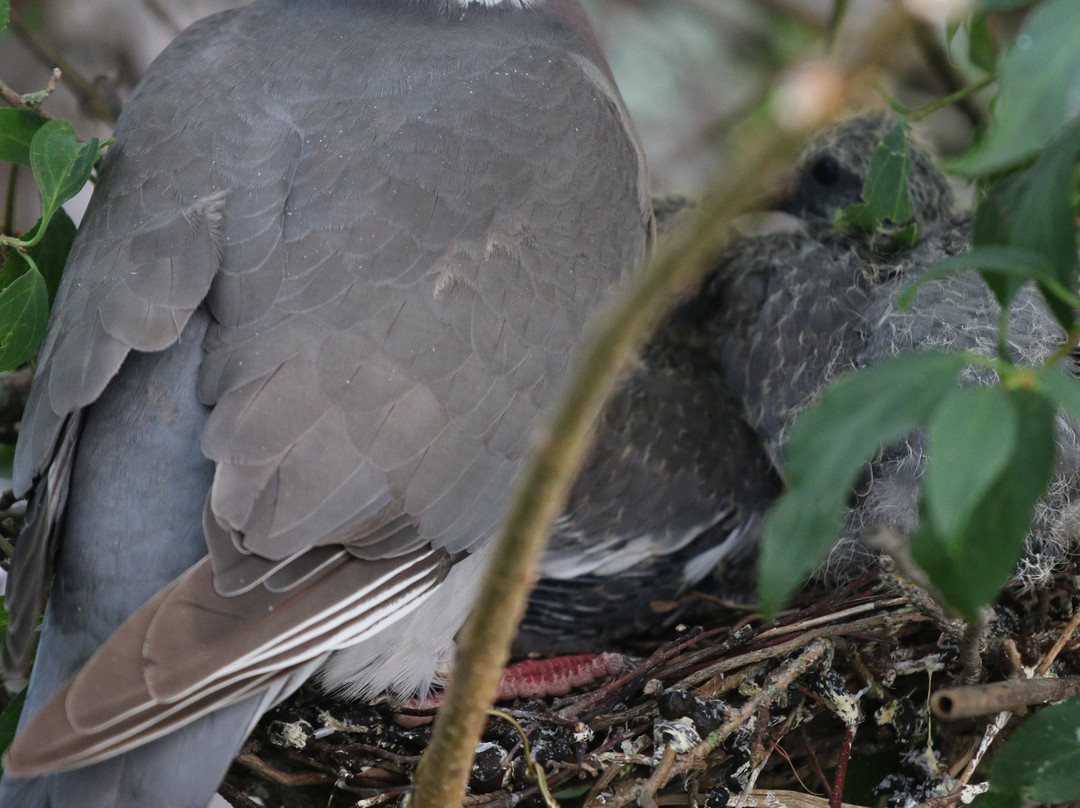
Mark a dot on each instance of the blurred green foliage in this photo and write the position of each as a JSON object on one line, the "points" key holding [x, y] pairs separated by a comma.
{"points": [[991, 448]]}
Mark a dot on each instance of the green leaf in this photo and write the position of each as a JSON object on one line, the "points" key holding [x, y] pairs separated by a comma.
{"points": [[1062, 387], [971, 438], [1034, 210], [13, 267], [24, 310], [1018, 263], [49, 254], [968, 566], [905, 237], [1036, 93], [573, 790], [982, 51], [1003, 5], [61, 164], [885, 190], [858, 217], [17, 128], [5, 14], [9, 720], [1041, 761], [990, 227], [830, 445]]}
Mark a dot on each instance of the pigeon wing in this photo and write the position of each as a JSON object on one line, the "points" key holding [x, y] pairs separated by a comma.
{"points": [[396, 289]]}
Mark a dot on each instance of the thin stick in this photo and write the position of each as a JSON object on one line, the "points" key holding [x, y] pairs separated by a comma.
{"points": [[1059, 645], [628, 792], [557, 454], [967, 702], [97, 105], [14, 99]]}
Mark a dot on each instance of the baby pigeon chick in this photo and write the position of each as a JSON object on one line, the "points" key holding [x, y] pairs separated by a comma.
{"points": [[832, 168], [675, 485], [794, 311]]}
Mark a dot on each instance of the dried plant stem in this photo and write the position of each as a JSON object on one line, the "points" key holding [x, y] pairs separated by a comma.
{"points": [[995, 697], [95, 102], [628, 792], [557, 454]]}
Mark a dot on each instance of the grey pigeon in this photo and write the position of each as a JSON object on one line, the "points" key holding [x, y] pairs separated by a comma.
{"points": [[794, 311], [337, 263]]}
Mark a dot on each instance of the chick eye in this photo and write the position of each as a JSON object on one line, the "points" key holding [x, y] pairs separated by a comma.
{"points": [[825, 170]]}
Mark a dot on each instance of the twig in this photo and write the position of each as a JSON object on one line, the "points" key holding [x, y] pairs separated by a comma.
{"points": [[289, 779], [543, 484], [837, 792], [937, 59], [815, 764], [780, 649], [991, 732], [777, 683], [235, 797], [967, 702], [899, 570], [971, 646], [958, 98], [760, 756], [1059, 645], [803, 625], [14, 99], [95, 102], [657, 779]]}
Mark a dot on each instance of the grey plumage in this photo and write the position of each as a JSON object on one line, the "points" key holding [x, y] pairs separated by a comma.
{"points": [[796, 310], [675, 485], [832, 169], [336, 264], [679, 478]]}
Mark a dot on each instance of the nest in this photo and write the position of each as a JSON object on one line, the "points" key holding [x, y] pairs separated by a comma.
{"points": [[831, 699]]}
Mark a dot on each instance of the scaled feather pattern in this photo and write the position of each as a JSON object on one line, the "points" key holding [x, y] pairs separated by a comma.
{"points": [[337, 263]]}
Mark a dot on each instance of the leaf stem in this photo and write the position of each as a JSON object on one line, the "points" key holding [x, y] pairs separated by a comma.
{"points": [[917, 114], [964, 92]]}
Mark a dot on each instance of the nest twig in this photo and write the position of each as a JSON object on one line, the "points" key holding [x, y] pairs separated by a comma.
{"points": [[711, 716]]}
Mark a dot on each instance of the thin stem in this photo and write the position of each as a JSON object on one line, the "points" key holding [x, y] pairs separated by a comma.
{"points": [[15, 99], [92, 98], [557, 454], [952, 98], [915, 115]]}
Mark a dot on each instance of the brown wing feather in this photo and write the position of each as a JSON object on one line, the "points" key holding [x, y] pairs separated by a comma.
{"points": [[189, 651]]}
